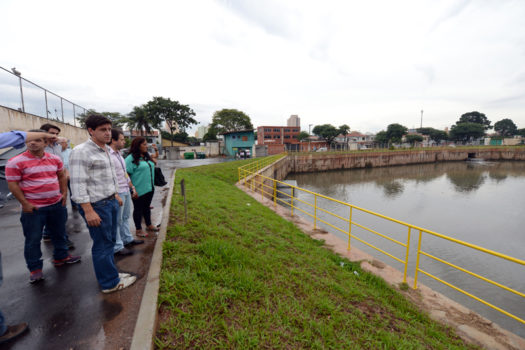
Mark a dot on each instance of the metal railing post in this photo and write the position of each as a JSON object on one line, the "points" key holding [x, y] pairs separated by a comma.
{"points": [[292, 199], [74, 116], [47, 108], [406, 259], [62, 108], [315, 211], [349, 227], [417, 260], [21, 93], [274, 193], [262, 187]]}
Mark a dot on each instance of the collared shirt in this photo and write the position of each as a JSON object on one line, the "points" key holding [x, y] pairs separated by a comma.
{"points": [[92, 173], [120, 170], [65, 157], [54, 148], [14, 139], [37, 177]]}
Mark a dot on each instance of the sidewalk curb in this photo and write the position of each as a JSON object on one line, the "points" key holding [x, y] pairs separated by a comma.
{"points": [[147, 318]]}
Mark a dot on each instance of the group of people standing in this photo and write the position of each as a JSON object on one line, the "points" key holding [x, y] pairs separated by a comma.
{"points": [[102, 185]]}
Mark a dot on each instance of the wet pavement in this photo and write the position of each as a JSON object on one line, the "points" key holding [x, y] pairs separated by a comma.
{"points": [[67, 309]]}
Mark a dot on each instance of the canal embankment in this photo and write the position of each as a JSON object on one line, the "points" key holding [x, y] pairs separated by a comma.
{"points": [[237, 275]]}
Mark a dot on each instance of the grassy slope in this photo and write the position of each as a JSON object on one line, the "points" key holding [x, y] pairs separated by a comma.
{"points": [[239, 276]]}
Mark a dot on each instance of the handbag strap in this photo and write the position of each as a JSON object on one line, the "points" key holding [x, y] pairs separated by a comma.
{"points": [[151, 174]]}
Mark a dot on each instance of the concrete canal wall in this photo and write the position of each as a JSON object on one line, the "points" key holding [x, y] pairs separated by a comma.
{"points": [[323, 162]]}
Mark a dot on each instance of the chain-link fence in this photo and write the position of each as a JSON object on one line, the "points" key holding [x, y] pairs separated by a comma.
{"points": [[23, 95]]}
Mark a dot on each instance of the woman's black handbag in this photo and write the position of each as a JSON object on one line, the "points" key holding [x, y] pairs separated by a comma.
{"points": [[159, 178]]}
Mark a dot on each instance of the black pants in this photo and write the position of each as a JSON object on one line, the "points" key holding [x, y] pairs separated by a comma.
{"points": [[141, 209]]}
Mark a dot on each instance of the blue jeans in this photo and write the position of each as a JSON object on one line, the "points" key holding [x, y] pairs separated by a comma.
{"points": [[54, 218], [3, 326], [103, 237], [123, 233]]}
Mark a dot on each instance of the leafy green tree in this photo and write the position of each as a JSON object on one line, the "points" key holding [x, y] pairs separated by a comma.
{"points": [[413, 138], [327, 132], [176, 115], [381, 137], [138, 120], [395, 132], [117, 120], [521, 132], [344, 130], [303, 135], [181, 137], [211, 135], [466, 131], [434, 134], [506, 127], [227, 120], [475, 117]]}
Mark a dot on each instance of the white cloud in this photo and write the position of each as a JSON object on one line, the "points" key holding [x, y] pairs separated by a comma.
{"points": [[366, 64]]}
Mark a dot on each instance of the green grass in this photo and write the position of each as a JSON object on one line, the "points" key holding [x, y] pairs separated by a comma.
{"points": [[239, 276]]}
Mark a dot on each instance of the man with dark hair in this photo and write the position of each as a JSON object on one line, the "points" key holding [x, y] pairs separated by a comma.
{"points": [[37, 179], [94, 186], [56, 149], [124, 238]]}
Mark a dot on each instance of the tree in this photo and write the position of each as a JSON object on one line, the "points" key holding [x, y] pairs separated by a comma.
{"points": [[117, 120], [181, 137], [211, 135], [506, 127], [475, 117], [521, 132], [381, 137], [434, 134], [227, 120], [176, 115], [303, 135], [395, 132], [413, 138], [327, 132], [344, 130], [466, 131], [138, 120]]}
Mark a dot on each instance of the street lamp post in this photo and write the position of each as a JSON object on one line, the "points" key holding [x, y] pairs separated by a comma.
{"points": [[309, 127], [19, 75]]}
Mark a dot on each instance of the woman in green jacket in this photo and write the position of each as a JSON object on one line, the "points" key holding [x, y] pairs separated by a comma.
{"points": [[141, 170]]}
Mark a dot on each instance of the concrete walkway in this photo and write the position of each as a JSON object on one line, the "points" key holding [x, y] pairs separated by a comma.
{"points": [[67, 309]]}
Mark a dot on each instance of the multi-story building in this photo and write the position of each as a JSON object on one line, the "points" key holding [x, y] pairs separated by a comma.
{"points": [[278, 138], [294, 120], [201, 131]]}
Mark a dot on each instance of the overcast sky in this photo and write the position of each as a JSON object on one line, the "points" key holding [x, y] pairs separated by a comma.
{"points": [[362, 63]]}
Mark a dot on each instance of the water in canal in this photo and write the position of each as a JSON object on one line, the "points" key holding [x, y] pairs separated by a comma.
{"points": [[482, 203]]}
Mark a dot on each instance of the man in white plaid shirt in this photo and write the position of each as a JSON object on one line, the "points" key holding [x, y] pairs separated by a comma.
{"points": [[94, 186]]}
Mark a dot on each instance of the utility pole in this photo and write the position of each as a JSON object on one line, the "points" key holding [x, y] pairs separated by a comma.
{"points": [[309, 127], [421, 119]]}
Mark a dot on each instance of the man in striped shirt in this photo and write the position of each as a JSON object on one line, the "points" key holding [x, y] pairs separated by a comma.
{"points": [[38, 182], [94, 186]]}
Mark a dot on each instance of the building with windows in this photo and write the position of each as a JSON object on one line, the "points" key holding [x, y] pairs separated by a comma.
{"points": [[294, 120], [278, 138], [201, 131], [236, 141]]}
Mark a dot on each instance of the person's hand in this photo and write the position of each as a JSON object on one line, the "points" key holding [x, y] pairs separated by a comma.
{"points": [[28, 207], [93, 219], [119, 200], [64, 199], [135, 195], [154, 145], [51, 138]]}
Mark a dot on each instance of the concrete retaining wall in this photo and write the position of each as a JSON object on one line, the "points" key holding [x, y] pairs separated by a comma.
{"points": [[324, 162], [11, 119]]}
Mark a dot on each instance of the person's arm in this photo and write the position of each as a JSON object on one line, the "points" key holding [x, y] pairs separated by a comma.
{"points": [[15, 189], [31, 135], [154, 156], [12, 139], [62, 181]]}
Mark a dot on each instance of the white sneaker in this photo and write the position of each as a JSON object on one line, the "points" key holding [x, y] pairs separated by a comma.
{"points": [[123, 283], [123, 274]]}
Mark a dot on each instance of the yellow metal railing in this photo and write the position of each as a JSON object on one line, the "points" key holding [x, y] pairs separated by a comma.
{"points": [[250, 177]]}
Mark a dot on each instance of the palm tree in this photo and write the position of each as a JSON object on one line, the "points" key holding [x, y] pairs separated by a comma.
{"points": [[139, 120], [344, 130]]}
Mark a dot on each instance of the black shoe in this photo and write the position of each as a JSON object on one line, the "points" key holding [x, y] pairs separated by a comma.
{"points": [[70, 245], [124, 251], [134, 242], [13, 332]]}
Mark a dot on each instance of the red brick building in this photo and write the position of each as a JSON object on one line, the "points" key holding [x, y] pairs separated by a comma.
{"points": [[278, 135]]}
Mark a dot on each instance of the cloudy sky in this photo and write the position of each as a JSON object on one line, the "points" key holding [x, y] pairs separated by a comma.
{"points": [[362, 63]]}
